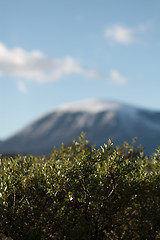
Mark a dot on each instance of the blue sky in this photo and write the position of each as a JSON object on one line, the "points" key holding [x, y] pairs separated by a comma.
{"points": [[57, 51]]}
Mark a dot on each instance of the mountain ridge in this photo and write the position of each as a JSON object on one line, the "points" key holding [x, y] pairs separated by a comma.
{"points": [[99, 119]]}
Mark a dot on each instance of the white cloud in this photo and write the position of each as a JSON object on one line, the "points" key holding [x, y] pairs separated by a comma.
{"points": [[125, 35], [37, 67], [117, 78], [22, 87]]}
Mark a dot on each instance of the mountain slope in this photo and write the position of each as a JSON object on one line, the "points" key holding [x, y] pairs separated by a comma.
{"points": [[100, 120]]}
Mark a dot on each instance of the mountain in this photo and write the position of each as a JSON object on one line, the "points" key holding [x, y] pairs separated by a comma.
{"points": [[100, 120]]}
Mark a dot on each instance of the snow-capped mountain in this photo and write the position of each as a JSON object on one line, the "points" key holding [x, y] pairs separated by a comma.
{"points": [[100, 120]]}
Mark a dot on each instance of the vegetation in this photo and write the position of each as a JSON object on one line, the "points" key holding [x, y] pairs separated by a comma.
{"points": [[81, 193]]}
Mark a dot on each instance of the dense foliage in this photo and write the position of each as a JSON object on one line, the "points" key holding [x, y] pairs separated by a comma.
{"points": [[81, 193]]}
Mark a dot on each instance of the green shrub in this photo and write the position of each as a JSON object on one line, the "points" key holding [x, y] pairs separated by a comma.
{"points": [[81, 192]]}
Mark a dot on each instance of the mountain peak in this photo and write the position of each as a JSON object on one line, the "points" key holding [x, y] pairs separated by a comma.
{"points": [[99, 119], [90, 105]]}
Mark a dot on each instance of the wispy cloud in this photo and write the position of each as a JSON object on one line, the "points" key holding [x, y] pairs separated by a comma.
{"points": [[37, 67], [117, 78], [125, 35], [22, 87]]}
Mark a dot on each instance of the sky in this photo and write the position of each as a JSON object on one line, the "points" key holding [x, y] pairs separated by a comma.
{"points": [[56, 51]]}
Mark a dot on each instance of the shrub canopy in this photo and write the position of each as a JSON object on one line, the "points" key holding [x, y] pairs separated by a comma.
{"points": [[80, 192]]}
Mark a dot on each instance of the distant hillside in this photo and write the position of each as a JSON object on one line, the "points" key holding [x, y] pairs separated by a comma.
{"points": [[100, 120]]}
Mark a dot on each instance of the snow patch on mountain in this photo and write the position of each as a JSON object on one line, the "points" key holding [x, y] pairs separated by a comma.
{"points": [[91, 105]]}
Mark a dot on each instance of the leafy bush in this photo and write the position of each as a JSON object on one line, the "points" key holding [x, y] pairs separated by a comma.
{"points": [[81, 192]]}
